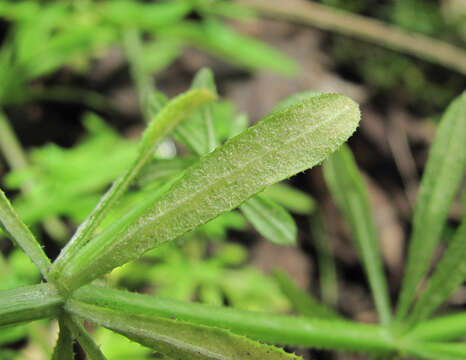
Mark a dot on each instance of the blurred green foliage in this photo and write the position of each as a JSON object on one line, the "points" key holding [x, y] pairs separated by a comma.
{"points": [[43, 37], [420, 85]]}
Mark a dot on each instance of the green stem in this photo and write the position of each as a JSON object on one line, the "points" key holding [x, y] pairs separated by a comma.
{"points": [[29, 303], [326, 18], [279, 329]]}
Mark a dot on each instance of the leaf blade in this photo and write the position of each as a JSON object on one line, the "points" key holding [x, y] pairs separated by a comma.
{"points": [[271, 220], [20, 233], [179, 339], [348, 190], [442, 175], [295, 139], [448, 276], [163, 123]]}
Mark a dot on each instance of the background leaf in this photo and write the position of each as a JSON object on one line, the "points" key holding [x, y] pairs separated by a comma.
{"points": [[349, 192], [442, 176]]}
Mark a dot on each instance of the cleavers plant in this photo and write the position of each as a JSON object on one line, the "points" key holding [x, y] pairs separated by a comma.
{"points": [[295, 136]]}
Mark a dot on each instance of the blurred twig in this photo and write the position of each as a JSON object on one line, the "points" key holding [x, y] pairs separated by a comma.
{"points": [[327, 18]]}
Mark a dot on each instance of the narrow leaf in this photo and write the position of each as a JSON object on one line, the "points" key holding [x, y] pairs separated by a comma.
{"points": [[270, 220], [276, 148], [158, 129], [349, 192], [449, 275], [290, 198], [449, 327], [271, 328], [29, 303], [20, 233], [64, 348], [303, 302], [198, 133], [442, 176], [179, 340], [436, 351], [82, 336], [325, 260]]}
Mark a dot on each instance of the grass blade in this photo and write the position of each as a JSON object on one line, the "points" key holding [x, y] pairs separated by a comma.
{"points": [[29, 303], [64, 348], [20, 233], [177, 339], [449, 275], [349, 192], [276, 148], [271, 328], [442, 176], [161, 126], [270, 220], [303, 302]]}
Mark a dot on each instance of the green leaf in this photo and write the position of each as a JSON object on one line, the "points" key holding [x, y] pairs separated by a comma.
{"points": [[290, 198], [147, 16], [276, 148], [82, 336], [448, 276], [270, 220], [214, 37], [198, 132], [164, 122], [442, 176], [268, 327], [449, 327], [179, 340], [29, 303], [19, 232], [325, 260], [349, 192], [303, 302], [163, 169], [436, 351], [64, 348]]}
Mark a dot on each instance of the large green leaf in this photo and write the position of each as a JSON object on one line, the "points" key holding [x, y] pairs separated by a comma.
{"points": [[442, 176], [276, 148], [349, 191], [269, 219], [179, 340]]}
